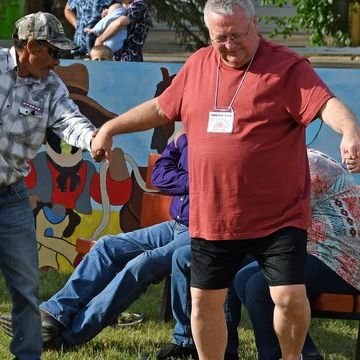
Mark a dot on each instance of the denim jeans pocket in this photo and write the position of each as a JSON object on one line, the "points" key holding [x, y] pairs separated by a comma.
{"points": [[22, 193]]}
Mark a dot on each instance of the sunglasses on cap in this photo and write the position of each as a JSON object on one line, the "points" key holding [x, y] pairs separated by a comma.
{"points": [[53, 52]]}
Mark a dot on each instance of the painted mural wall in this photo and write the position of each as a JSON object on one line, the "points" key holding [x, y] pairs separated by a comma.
{"points": [[74, 197]]}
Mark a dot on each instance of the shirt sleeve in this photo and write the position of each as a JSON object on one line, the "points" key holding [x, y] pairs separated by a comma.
{"points": [[305, 92], [170, 171], [170, 101], [66, 120]]}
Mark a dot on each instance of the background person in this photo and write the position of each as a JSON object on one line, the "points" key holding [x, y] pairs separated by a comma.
{"points": [[333, 263], [116, 41], [83, 14], [137, 21], [243, 132], [101, 53], [32, 99]]}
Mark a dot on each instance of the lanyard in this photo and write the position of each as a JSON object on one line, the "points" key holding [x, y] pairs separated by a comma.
{"points": [[239, 86]]}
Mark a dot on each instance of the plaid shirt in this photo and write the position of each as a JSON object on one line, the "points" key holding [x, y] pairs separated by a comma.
{"points": [[29, 106]]}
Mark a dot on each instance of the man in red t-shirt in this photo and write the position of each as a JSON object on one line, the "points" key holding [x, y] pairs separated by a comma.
{"points": [[244, 103]]}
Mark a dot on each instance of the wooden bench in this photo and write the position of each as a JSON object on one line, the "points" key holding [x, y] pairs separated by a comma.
{"points": [[154, 210], [338, 306]]}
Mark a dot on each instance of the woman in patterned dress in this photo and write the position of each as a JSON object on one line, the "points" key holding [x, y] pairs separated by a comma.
{"points": [[333, 263]]}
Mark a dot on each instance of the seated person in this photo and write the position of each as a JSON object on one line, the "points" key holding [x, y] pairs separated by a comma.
{"points": [[333, 263], [137, 21], [114, 42], [119, 268], [101, 53]]}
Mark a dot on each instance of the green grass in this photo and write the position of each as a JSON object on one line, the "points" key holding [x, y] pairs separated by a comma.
{"points": [[335, 339]]}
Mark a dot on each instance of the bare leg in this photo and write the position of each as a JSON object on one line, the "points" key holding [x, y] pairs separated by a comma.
{"points": [[208, 323], [291, 318]]}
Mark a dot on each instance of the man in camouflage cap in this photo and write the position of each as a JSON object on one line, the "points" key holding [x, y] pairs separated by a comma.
{"points": [[32, 99]]}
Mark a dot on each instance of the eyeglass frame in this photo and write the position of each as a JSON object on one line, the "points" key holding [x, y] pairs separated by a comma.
{"points": [[55, 53], [234, 37]]}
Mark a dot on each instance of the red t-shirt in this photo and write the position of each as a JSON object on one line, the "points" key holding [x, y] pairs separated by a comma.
{"points": [[254, 181]]}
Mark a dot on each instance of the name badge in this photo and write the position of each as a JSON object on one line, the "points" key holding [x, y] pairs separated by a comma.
{"points": [[221, 122]]}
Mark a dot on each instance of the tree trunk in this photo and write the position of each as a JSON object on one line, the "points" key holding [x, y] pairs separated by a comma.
{"points": [[341, 7]]}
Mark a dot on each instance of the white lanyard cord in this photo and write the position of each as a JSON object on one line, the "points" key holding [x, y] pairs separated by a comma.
{"points": [[240, 84]]}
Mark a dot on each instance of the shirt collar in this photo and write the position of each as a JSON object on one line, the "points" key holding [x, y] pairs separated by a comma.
{"points": [[13, 65], [12, 59]]}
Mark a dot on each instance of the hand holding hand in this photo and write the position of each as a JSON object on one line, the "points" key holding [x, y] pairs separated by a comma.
{"points": [[101, 144], [352, 164], [350, 150]]}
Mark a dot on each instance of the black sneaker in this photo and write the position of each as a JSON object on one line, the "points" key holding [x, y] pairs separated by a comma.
{"points": [[312, 357], [50, 329], [174, 351]]}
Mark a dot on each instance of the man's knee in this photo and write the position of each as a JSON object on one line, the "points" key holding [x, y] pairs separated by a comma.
{"points": [[289, 297], [207, 301]]}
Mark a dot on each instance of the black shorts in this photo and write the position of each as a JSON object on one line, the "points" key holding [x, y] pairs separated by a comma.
{"points": [[281, 255]]}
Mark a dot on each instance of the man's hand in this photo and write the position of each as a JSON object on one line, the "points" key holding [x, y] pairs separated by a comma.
{"points": [[353, 165], [350, 150], [101, 144]]}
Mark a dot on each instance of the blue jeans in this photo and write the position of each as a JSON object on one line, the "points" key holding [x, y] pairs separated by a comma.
{"points": [[19, 264], [115, 272], [181, 303], [253, 290]]}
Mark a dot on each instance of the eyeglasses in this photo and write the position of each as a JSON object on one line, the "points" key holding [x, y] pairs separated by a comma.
{"points": [[53, 52], [234, 37]]}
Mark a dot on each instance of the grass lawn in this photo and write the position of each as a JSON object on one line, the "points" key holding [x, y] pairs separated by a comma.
{"points": [[335, 339]]}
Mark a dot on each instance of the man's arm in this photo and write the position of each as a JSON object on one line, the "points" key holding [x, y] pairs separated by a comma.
{"points": [[70, 15], [341, 119], [142, 117], [114, 27]]}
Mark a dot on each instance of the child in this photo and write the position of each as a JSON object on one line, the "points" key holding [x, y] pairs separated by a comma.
{"points": [[116, 41], [100, 53]]}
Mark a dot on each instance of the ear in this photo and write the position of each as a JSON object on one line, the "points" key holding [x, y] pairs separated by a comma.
{"points": [[32, 46], [256, 22]]}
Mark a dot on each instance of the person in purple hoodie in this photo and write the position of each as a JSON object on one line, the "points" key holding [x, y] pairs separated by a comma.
{"points": [[119, 268]]}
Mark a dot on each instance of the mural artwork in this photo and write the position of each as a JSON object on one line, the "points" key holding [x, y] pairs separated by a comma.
{"points": [[72, 196]]}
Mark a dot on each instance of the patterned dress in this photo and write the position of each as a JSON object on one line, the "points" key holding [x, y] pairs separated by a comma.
{"points": [[139, 15], [334, 237]]}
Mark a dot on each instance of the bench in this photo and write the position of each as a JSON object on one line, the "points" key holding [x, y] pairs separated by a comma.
{"points": [[338, 306], [154, 210]]}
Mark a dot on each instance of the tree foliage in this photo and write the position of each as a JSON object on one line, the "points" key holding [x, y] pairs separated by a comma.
{"points": [[326, 21], [185, 17]]}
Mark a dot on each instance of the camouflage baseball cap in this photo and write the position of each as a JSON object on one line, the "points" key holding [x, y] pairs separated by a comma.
{"points": [[43, 26]]}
